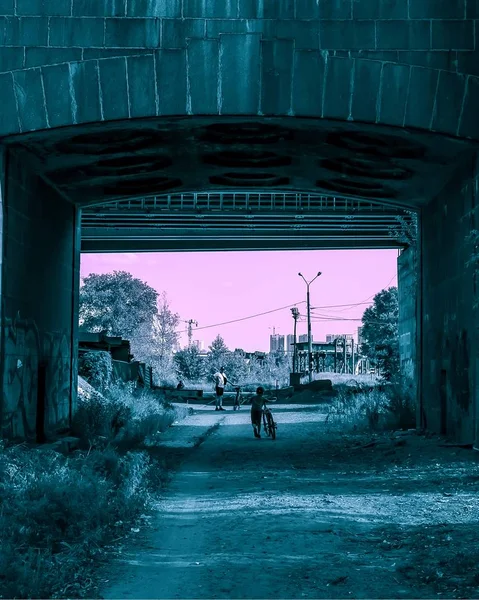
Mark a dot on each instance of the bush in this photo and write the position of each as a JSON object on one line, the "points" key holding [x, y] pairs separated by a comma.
{"points": [[96, 368], [126, 416], [56, 514]]}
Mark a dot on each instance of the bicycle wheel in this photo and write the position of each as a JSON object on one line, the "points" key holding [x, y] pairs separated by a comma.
{"points": [[266, 425], [272, 426]]}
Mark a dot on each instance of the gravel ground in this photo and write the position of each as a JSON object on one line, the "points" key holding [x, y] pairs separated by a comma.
{"points": [[313, 514]]}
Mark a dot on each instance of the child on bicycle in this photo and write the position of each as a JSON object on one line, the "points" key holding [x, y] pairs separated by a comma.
{"points": [[257, 402]]}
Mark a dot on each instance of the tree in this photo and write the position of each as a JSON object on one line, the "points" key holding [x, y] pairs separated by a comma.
{"points": [[165, 328], [217, 354], [189, 364], [380, 332], [154, 343], [116, 303]]}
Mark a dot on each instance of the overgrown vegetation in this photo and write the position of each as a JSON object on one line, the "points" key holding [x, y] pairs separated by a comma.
{"points": [[96, 368], [361, 408], [59, 513]]}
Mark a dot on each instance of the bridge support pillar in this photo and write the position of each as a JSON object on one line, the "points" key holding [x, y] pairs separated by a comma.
{"points": [[448, 349], [39, 289]]}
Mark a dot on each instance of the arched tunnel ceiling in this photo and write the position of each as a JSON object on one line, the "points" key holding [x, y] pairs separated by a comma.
{"points": [[366, 168], [136, 158]]}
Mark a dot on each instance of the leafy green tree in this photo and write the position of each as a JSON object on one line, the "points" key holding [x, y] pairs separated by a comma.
{"points": [[155, 342], [380, 332], [116, 303], [189, 364], [217, 354]]}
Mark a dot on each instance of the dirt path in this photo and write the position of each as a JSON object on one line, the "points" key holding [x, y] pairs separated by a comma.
{"points": [[310, 515]]}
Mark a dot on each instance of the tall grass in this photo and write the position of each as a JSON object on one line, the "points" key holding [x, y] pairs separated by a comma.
{"points": [[58, 513], [392, 406], [124, 416]]}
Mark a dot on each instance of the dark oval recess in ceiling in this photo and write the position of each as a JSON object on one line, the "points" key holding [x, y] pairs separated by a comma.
{"points": [[150, 186], [367, 167], [114, 141], [380, 145], [249, 179], [245, 133], [356, 188], [247, 159]]}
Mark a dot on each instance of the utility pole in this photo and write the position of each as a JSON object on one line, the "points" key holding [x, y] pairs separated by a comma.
{"points": [[335, 354], [352, 357], [190, 324], [295, 312], [310, 339], [345, 361]]}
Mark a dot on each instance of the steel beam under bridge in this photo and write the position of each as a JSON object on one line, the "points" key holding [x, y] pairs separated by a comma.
{"points": [[241, 221]]}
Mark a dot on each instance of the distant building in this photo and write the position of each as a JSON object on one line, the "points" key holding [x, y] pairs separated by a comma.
{"points": [[199, 345], [276, 343], [290, 343], [304, 338], [330, 337]]}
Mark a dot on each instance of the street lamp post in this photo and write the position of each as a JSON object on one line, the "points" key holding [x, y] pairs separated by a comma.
{"points": [[310, 339]]}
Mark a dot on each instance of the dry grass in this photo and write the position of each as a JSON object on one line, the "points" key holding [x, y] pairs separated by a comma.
{"points": [[384, 407], [125, 417]]}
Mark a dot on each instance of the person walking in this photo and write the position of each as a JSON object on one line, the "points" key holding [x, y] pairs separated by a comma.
{"points": [[257, 402], [220, 383]]}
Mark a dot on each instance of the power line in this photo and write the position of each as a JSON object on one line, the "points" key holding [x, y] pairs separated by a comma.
{"points": [[268, 312], [365, 301]]}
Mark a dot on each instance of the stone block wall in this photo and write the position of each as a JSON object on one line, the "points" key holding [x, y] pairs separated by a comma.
{"points": [[449, 320], [40, 278], [439, 34]]}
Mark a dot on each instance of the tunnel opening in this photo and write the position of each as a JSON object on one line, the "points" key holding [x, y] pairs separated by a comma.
{"points": [[212, 184]]}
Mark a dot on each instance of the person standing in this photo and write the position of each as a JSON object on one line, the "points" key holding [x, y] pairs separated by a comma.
{"points": [[220, 384]]}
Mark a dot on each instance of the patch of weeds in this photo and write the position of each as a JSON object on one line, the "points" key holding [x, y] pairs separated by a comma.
{"points": [[391, 406], [57, 513], [124, 416]]}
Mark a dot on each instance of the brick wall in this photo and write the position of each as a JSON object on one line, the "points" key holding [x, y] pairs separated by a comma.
{"points": [[433, 33]]}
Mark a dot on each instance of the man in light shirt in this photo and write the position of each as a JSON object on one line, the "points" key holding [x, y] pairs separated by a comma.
{"points": [[220, 383]]}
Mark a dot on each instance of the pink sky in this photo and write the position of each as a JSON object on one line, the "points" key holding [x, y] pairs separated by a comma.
{"points": [[213, 287]]}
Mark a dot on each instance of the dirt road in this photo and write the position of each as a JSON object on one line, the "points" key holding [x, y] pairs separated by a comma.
{"points": [[310, 515]]}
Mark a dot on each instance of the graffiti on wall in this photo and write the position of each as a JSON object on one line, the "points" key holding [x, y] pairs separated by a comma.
{"points": [[21, 356], [25, 349]]}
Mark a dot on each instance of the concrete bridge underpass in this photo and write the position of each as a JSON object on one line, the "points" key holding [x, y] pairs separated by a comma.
{"points": [[186, 125]]}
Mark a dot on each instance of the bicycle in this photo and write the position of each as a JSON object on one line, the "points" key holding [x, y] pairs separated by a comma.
{"points": [[269, 424]]}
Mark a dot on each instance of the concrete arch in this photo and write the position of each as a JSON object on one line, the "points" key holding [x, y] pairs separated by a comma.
{"points": [[240, 75]]}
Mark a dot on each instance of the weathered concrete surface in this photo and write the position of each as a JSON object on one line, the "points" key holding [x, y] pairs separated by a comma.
{"points": [[40, 279], [449, 320], [376, 61]]}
